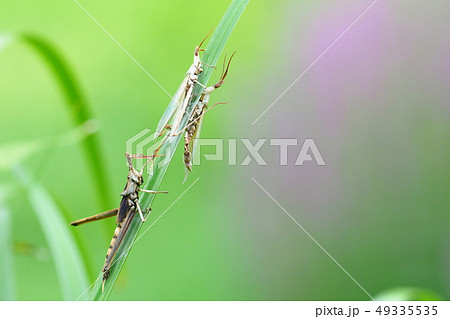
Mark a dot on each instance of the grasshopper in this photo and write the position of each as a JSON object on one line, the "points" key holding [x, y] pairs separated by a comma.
{"points": [[178, 104], [193, 129], [125, 212]]}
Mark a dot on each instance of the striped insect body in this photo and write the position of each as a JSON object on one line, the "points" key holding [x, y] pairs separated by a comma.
{"points": [[128, 207]]}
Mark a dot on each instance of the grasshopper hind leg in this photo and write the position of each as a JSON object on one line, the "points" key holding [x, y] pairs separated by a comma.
{"points": [[107, 214]]}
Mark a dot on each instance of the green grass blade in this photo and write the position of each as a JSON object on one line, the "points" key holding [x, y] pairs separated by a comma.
{"points": [[6, 264], [77, 105], [17, 152], [220, 38], [69, 267], [213, 51], [408, 294]]}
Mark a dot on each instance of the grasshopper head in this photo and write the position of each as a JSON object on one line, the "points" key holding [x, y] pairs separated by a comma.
{"points": [[134, 174], [197, 62]]}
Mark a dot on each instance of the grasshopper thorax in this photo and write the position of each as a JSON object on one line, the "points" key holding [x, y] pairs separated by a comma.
{"points": [[136, 176]]}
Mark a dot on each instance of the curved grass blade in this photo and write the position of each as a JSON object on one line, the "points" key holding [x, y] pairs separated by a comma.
{"points": [[211, 56], [6, 265], [71, 272], [76, 102], [15, 153], [218, 41]]}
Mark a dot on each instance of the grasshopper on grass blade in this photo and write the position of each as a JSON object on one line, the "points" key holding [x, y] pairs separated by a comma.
{"points": [[177, 106], [193, 129], [125, 213]]}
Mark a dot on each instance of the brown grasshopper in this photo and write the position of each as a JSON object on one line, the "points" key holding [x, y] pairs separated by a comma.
{"points": [[193, 129], [125, 212], [177, 107]]}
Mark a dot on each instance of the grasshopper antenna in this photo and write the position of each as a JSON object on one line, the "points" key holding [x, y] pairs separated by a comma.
{"points": [[197, 48], [224, 70]]}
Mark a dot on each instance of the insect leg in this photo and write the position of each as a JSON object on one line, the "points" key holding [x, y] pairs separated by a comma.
{"points": [[152, 192], [198, 118], [211, 66], [108, 213], [141, 214], [203, 86]]}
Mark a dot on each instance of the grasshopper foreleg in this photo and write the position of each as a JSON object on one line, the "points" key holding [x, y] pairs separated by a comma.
{"points": [[141, 214]]}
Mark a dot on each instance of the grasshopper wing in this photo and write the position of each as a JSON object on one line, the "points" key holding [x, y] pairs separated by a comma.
{"points": [[174, 106], [190, 146]]}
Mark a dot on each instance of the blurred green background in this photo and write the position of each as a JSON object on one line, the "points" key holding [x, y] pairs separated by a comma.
{"points": [[376, 105]]}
